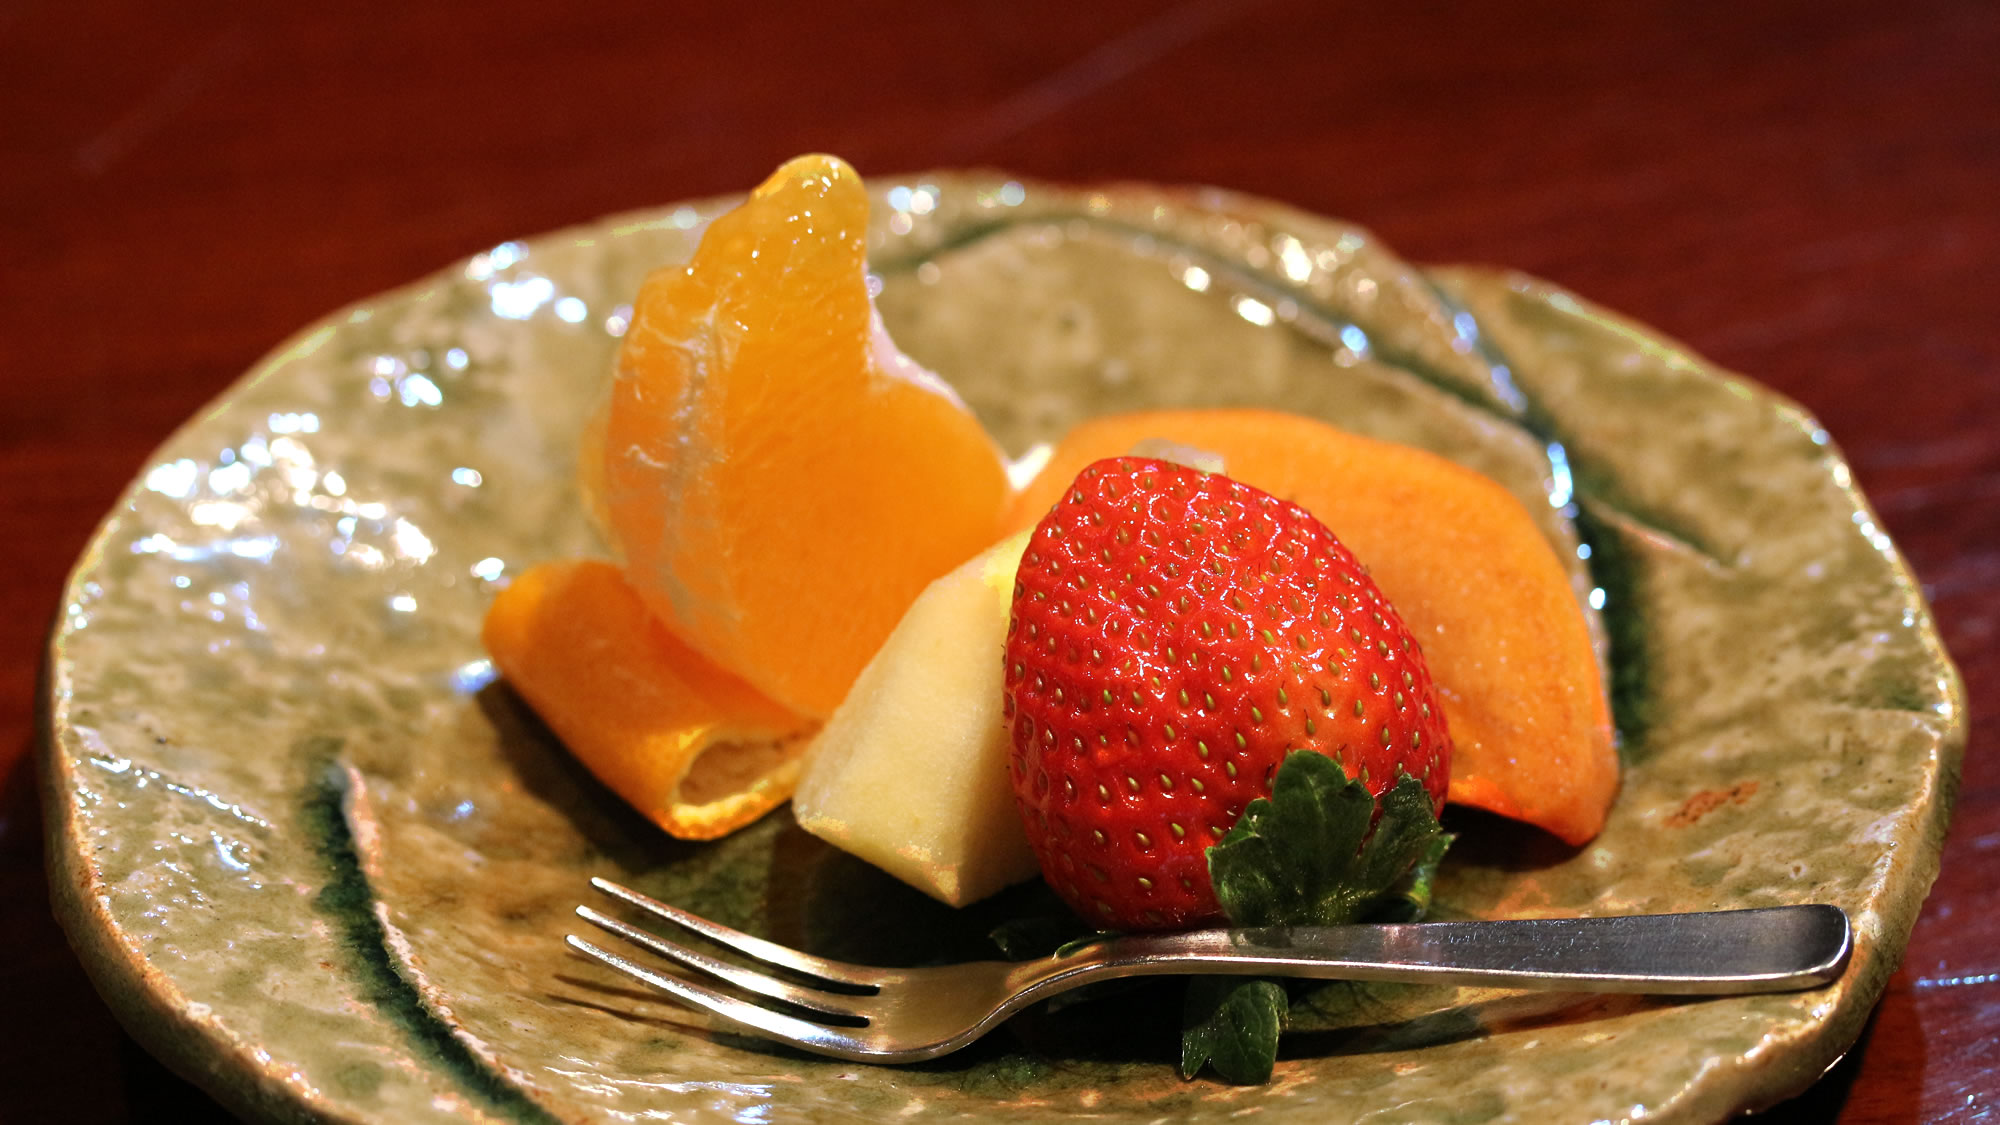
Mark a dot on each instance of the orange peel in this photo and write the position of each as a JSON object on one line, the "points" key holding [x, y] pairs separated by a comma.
{"points": [[695, 749]]}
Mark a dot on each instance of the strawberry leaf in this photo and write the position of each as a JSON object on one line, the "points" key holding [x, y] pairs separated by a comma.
{"points": [[1410, 899], [1306, 856], [1232, 1024], [1037, 935]]}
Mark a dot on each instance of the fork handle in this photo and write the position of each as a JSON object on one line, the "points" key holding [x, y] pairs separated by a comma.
{"points": [[1774, 949]]}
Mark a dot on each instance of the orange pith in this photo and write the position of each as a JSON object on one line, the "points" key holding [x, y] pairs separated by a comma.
{"points": [[777, 480], [1463, 563], [690, 746]]}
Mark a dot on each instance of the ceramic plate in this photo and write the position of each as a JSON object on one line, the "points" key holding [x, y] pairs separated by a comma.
{"points": [[322, 863]]}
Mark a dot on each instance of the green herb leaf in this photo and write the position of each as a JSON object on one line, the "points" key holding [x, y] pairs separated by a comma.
{"points": [[1315, 853], [1038, 935], [1410, 899], [1306, 857], [1232, 1024]]}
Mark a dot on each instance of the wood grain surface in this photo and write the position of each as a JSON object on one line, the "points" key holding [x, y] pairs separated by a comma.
{"points": [[1805, 192]]}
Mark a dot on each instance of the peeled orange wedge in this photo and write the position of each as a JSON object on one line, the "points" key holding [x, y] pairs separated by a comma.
{"points": [[695, 749], [1464, 564], [779, 483], [777, 479]]}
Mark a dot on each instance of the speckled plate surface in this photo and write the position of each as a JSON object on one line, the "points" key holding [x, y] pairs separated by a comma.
{"points": [[320, 862]]}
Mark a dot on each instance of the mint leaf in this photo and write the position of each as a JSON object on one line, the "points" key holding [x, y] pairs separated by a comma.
{"points": [[1232, 1024], [1306, 856]]}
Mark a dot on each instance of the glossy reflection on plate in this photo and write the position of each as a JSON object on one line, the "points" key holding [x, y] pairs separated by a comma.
{"points": [[314, 854]]}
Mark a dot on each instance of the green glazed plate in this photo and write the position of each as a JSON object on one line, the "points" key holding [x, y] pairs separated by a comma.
{"points": [[318, 860]]}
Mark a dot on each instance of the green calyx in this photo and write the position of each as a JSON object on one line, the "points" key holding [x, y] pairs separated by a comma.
{"points": [[1315, 853]]}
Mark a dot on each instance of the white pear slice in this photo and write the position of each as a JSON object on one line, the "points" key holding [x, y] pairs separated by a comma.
{"points": [[910, 772]]}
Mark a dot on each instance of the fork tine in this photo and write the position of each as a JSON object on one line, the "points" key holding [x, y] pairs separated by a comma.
{"points": [[722, 970], [839, 972], [763, 1021]]}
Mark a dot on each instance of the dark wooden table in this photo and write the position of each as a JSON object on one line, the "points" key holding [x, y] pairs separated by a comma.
{"points": [[1805, 192]]}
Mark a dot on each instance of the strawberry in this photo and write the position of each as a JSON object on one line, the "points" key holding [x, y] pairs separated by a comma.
{"points": [[1175, 634]]}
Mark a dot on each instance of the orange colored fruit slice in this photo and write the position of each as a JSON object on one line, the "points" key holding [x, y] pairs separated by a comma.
{"points": [[1485, 594], [695, 749], [778, 480]]}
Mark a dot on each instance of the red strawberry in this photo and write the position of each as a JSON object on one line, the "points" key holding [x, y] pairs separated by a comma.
{"points": [[1175, 634]]}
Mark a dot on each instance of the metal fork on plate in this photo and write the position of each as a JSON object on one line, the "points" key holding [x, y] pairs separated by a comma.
{"points": [[906, 1015]]}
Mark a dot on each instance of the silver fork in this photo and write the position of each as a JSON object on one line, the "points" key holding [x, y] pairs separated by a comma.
{"points": [[907, 1015]]}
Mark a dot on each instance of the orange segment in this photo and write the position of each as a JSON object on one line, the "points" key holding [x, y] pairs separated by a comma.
{"points": [[1463, 562], [690, 746], [780, 481]]}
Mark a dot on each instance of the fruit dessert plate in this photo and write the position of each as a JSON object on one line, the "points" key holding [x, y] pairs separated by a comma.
{"points": [[321, 861]]}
